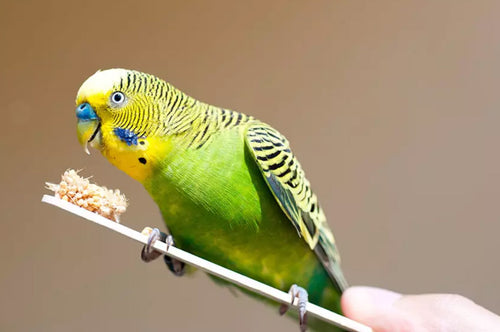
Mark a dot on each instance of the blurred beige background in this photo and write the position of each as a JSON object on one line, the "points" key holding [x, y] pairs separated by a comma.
{"points": [[391, 106]]}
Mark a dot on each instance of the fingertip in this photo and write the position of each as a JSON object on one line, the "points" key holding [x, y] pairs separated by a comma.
{"points": [[366, 303]]}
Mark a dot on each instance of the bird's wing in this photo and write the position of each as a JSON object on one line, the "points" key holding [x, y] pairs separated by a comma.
{"points": [[285, 177]]}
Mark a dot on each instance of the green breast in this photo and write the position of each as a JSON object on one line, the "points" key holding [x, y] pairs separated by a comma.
{"points": [[217, 205], [215, 178]]}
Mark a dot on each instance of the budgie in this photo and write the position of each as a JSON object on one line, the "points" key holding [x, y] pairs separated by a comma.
{"points": [[228, 186]]}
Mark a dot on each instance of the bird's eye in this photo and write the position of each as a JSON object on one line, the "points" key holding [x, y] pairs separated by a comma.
{"points": [[117, 98]]}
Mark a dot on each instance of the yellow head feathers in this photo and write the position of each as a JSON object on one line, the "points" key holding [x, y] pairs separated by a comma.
{"points": [[101, 83]]}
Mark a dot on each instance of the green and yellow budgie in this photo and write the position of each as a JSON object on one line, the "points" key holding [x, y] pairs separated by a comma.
{"points": [[228, 186]]}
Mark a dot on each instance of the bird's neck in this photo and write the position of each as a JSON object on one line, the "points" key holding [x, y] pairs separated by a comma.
{"points": [[193, 123]]}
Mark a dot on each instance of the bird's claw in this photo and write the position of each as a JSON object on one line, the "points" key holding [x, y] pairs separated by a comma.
{"points": [[148, 254], [176, 266], [153, 237], [302, 296], [169, 241]]}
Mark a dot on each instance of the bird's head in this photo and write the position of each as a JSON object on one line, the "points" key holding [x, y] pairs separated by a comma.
{"points": [[104, 102], [122, 114]]}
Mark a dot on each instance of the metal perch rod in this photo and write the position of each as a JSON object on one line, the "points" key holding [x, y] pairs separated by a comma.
{"points": [[214, 269]]}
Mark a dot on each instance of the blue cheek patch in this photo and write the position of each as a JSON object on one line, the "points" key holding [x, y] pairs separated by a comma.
{"points": [[127, 136]]}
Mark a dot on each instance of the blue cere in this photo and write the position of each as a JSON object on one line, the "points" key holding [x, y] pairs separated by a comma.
{"points": [[126, 136], [85, 112]]}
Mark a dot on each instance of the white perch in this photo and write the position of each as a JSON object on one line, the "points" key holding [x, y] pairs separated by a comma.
{"points": [[202, 264]]}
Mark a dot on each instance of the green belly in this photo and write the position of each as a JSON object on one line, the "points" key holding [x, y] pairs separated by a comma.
{"points": [[217, 205]]}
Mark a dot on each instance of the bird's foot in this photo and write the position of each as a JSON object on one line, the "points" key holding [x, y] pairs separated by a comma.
{"points": [[301, 294], [147, 254], [174, 265], [153, 234]]}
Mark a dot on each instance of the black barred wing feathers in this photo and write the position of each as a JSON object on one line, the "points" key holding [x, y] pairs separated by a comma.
{"points": [[292, 191]]}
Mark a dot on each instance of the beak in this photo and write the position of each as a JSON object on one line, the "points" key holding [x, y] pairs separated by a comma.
{"points": [[88, 125]]}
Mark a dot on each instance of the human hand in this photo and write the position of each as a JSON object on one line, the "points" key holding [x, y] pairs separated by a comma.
{"points": [[384, 310]]}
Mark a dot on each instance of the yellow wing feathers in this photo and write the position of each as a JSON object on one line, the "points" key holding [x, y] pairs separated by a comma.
{"points": [[292, 190], [286, 180]]}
